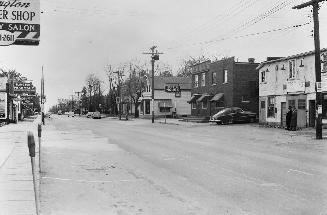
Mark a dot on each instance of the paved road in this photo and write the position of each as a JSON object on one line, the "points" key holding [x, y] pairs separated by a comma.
{"points": [[134, 167]]}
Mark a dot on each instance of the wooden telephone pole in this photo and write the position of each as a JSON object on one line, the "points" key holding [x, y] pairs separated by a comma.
{"points": [[315, 9], [120, 75], [154, 56]]}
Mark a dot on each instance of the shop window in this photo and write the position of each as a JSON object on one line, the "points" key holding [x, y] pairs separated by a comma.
{"points": [[301, 104], [203, 80], [205, 105], [214, 78], [164, 109], [196, 81], [271, 107], [193, 105]]}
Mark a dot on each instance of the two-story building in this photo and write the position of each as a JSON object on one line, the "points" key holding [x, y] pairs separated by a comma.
{"points": [[291, 81], [170, 97], [224, 83]]}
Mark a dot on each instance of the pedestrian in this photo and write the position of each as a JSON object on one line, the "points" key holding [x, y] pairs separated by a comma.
{"points": [[294, 119], [288, 118]]}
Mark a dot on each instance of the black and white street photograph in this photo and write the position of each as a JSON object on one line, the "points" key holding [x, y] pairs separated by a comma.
{"points": [[163, 107]]}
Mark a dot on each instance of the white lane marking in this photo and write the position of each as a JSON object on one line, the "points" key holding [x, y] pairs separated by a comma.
{"points": [[299, 171], [87, 181]]}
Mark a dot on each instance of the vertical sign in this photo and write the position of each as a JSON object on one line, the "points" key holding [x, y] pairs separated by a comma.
{"points": [[19, 22]]}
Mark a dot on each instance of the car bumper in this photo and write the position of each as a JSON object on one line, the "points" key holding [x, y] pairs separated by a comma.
{"points": [[214, 120]]}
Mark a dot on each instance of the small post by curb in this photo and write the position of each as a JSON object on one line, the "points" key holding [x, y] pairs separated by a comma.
{"points": [[31, 148], [39, 132]]}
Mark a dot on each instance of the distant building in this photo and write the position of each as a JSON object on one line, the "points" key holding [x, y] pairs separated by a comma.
{"points": [[224, 83], [170, 97], [291, 81]]}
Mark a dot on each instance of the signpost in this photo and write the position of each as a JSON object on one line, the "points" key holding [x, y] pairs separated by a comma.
{"points": [[19, 22]]}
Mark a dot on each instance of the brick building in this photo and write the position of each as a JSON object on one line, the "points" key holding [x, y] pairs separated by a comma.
{"points": [[224, 83]]}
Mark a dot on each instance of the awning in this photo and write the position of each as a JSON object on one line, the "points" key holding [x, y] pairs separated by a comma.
{"points": [[194, 98], [165, 103], [203, 98], [217, 97]]}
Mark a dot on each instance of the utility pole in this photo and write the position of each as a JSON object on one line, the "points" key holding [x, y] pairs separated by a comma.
{"points": [[72, 106], [120, 75], [90, 87], [154, 56], [42, 97], [79, 102], [315, 9]]}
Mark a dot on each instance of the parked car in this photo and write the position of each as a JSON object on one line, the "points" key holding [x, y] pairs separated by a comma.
{"points": [[89, 114], [71, 113], [232, 115], [96, 115]]}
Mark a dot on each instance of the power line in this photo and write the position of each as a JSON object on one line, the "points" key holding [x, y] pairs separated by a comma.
{"points": [[247, 35]]}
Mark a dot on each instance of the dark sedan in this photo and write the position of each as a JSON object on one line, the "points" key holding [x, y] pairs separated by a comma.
{"points": [[233, 115]]}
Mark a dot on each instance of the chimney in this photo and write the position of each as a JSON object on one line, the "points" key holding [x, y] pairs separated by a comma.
{"points": [[251, 60]]}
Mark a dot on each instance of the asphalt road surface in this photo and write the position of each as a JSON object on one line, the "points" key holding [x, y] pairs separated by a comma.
{"points": [[109, 166]]}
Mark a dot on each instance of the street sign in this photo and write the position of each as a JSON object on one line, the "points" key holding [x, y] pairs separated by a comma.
{"points": [[19, 22]]}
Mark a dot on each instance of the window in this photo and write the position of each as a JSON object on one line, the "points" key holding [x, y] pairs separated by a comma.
{"points": [[225, 76], [203, 79], [271, 107], [193, 105], [165, 109], [291, 103], [301, 104], [204, 104], [214, 78], [292, 69], [263, 104], [245, 99], [196, 81], [219, 104], [263, 76], [324, 63]]}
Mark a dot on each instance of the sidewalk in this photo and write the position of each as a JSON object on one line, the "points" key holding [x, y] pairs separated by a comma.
{"points": [[16, 180]]}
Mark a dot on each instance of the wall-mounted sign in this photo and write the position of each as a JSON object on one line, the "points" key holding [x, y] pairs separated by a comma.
{"points": [[24, 87], [172, 88], [294, 86], [19, 22], [3, 105]]}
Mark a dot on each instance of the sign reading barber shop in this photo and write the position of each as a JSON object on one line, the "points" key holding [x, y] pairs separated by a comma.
{"points": [[19, 22]]}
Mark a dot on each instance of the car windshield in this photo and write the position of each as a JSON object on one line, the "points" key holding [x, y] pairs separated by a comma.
{"points": [[224, 111]]}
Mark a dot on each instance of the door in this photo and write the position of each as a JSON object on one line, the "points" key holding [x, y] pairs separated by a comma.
{"points": [[262, 111], [283, 114], [312, 113], [299, 102]]}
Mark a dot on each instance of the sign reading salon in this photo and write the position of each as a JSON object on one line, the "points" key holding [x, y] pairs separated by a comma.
{"points": [[19, 22]]}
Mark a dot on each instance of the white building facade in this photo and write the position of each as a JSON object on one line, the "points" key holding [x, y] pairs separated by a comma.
{"points": [[288, 82], [170, 97]]}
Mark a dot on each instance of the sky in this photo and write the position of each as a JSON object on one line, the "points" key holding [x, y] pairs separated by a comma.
{"points": [[80, 37]]}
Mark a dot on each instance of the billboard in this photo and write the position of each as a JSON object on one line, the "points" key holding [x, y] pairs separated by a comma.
{"points": [[24, 87], [3, 105], [19, 22]]}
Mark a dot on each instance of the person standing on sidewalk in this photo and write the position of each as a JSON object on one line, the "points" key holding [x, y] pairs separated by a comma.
{"points": [[288, 118], [294, 119]]}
